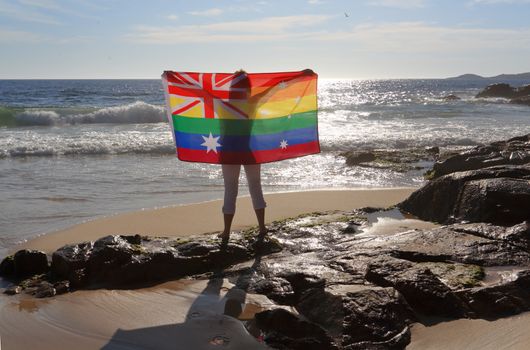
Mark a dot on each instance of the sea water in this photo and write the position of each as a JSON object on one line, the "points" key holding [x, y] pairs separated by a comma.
{"points": [[74, 150]]}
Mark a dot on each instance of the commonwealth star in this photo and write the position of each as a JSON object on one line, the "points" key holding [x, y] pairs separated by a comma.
{"points": [[211, 143]]}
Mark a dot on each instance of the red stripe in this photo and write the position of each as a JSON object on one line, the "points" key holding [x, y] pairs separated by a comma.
{"points": [[257, 157], [186, 107]]}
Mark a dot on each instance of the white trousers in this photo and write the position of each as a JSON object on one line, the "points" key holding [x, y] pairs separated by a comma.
{"points": [[231, 180]]}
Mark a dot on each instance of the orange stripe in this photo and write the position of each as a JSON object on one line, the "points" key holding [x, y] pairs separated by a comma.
{"points": [[276, 93]]}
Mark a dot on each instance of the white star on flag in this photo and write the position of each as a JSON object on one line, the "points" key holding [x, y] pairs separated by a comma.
{"points": [[283, 144], [282, 85], [211, 143]]}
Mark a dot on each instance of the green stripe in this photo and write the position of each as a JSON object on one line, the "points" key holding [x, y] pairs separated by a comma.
{"points": [[244, 127]]}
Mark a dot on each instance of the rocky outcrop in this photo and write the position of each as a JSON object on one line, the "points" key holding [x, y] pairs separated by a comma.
{"points": [[515, 151], [126, 260], [497, 90], [403, 160], [520, 95], [499, 194], [345, 289]]}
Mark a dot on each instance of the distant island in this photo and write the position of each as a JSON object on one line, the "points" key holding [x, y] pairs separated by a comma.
{"points": [[501, 77]]}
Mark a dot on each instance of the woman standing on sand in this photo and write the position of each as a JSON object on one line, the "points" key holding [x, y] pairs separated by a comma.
{"points": [[231, 178]]}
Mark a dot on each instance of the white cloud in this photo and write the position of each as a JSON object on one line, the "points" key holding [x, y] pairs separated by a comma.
{"points": [[489, 2], [419, 37], [22, 14], [315, 2], [17, 36], [172, 17], [268, 28], [207, 13], [54, 6], [398, 3]]}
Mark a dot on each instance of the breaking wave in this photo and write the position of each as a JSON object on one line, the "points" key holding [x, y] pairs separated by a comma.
{"points": [[134, 113]]}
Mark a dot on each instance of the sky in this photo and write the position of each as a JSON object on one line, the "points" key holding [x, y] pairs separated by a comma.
{"points": [[84, 39]]}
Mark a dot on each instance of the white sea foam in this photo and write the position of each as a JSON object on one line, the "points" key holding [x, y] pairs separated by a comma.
{"points": [[134, 113]]}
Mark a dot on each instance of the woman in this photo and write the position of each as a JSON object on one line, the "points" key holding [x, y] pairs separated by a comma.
{"points": [[231, 182]]}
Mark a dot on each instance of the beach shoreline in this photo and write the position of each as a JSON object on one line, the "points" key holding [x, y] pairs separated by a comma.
{"points": [[205, 217]]}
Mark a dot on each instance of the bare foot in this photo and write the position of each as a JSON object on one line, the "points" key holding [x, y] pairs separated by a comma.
{"points": [[224, 236]]}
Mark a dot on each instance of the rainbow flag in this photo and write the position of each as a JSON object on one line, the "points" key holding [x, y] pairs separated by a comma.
{"points": [[242, 118]]}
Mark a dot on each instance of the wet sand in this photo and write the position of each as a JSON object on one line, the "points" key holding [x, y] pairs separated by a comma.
{"points": [[505, 333], [175, 315]]}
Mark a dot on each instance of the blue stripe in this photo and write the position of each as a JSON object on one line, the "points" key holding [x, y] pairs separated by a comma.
{"points": [[250, 142]]}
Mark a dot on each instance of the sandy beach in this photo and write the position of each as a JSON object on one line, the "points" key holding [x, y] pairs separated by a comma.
{"points": [[206, 217], [188, 314]]}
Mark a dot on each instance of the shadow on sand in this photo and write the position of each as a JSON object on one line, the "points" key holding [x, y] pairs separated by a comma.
{"points": [[211, 322]]}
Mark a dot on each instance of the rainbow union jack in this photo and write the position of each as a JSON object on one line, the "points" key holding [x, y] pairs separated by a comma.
{"points": [[250, 118], [211, 90]]}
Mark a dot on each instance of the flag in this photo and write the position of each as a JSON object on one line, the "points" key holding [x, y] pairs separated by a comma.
{"points": [[242, 118]]}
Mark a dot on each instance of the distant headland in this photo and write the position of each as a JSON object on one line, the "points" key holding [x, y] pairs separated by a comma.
{"points": [[500, 77]]}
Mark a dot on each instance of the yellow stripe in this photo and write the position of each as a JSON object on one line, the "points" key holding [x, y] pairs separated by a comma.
{"points": [[266, 110]]}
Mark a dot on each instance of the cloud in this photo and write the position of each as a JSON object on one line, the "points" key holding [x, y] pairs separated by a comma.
{"points": [[53, 6], [17, 36], [398, 3], [207, 13], [419, 37], [172, 17], [491, 2], [315, 2], [268, 28], [22, 14]]}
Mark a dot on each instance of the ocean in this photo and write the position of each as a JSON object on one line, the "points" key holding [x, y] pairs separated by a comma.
{"points": [[75, 150]]}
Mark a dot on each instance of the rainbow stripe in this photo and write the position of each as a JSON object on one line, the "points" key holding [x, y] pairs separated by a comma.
{"points": [[242, 118]]}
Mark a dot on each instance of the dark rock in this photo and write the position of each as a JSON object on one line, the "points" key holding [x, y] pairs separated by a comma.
{"points": [[284, 330], [420, 287], [522, 91], [275, 288], [497, 195], [7, 266], [13, 290], [356, 158], [62, 287], [71, 263], [359, 316], [505, 299], [115, 261], [29, 262], [523, 100], [515, 151], [451, 97], [45, 290], [399, 160], [497, 90]]}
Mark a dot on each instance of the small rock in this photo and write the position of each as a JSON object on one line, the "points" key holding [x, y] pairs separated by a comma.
{"points": [[13, 290], [7, 267], [355, 158], [29, 263], [451, 97]]}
